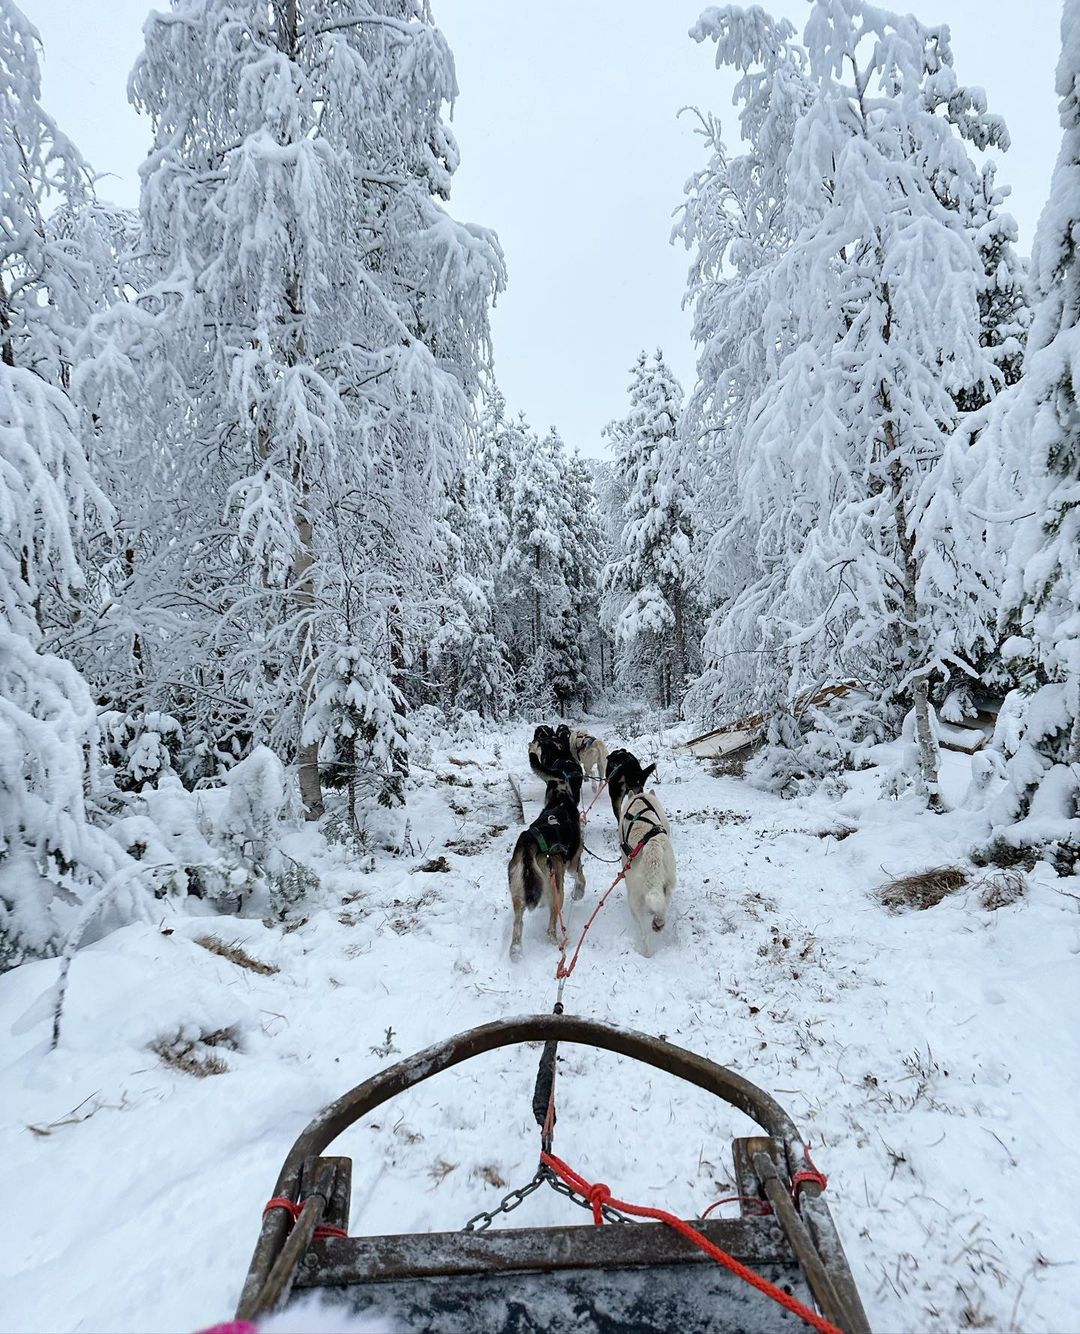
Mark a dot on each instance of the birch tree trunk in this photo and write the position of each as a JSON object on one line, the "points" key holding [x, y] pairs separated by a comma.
{"points": [[304, 600], [680, 647], [924, 735], [303, 563], [398, 662]]}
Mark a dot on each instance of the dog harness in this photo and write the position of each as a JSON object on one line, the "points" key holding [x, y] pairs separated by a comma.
{"points": [[548, 845], [647, 817]]}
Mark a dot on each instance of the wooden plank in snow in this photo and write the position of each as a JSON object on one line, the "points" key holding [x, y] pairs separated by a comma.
{"points": [[966, 740], [733, 736], [725, 743]]}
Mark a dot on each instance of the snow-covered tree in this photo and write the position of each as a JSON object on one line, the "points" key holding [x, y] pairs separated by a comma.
{"points": [[611, 497], [651, 563], [549, 571], [500, 445], [319, 323], [356, 721], [1004, 314], [463, 659], [952, 530], [575, 632], [736, 222], [870, 314], [51, 855], [483, 672], [38, 164], [1033, 444], [530, 566], [139, 748]]}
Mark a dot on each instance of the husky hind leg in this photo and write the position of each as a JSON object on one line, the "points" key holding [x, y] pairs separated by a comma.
{"points": [[517, 902], [526, 887], [635, 897], [575, 868], [555, 898]]}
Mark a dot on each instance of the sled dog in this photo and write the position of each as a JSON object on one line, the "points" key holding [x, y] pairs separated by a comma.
{"points": [[625, 775], [552, 761], [542, 855], [650, 871], [589, 751]]}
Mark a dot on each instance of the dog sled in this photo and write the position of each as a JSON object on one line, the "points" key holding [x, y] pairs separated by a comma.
{"points": [[782, 1265]]}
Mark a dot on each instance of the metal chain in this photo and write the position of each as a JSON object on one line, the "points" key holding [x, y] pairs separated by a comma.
{"points": [[556, 1184], [483, 1220]]}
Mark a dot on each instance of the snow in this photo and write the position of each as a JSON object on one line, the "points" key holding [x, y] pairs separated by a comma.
{"points": [[923, 1054]]}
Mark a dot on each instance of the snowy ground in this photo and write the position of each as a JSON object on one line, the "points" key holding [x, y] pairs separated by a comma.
{"points": [[931, 1057]]}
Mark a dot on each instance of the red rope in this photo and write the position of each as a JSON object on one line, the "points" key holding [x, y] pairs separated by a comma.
{"points": [[323, 1231], [564, 969], [809, 1173], [585, 813], [805, 1174], [598, 1195]]}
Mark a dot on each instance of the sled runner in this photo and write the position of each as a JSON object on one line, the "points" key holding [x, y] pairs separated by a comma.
{"points": [[631, 1275]]}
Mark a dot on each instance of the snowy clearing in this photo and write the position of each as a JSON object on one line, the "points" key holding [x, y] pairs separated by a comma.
{"points": [[924, 1054]]}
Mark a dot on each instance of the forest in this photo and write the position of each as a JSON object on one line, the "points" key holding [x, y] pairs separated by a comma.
{"points": [[266, 512], [274, 544]]}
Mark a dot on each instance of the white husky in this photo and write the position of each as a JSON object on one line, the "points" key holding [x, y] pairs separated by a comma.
{"points": [[650, 875], [589, 751]]}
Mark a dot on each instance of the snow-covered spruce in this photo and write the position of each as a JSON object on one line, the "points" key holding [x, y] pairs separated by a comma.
{"points": [[53, 859], [869, 316], [1032, 451], [649, 603], [549, 571]]}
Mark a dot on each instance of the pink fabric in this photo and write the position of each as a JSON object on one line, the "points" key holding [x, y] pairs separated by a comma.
{"points": [[232, 1327]]}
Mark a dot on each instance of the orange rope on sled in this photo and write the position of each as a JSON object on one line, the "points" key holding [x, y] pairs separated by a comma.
{"points": [[323, 1231], [599, 1195]]}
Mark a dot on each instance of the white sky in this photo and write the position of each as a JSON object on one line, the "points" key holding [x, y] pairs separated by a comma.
{"points": [[572, 151]]}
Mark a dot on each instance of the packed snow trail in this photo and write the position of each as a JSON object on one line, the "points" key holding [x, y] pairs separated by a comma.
{"points": [[925, 1055]]}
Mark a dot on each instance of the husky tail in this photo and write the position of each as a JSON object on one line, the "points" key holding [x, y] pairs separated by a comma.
{"points": [[526, 880]]}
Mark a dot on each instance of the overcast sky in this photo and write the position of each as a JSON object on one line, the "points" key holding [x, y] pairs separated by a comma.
{"points": [[573, 151]]}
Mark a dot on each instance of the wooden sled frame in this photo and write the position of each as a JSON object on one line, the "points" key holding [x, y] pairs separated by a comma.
{"points": [[286, 1254]]}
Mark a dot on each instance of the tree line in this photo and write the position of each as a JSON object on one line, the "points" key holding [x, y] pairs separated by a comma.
{"points": [[260, 494]]}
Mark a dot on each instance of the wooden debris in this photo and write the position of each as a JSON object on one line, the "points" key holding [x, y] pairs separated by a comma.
{"points": [[236, 954], [743, 732]]}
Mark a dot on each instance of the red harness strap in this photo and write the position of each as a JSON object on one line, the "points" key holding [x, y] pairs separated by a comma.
{"points": [[564, 969], [598, 1195], [588, 808], [323, 1231]]}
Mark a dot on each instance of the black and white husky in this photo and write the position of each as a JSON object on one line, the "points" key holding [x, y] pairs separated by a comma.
{"points": [[625, 775], [550, 758], [542, 855], [650, 871]]}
